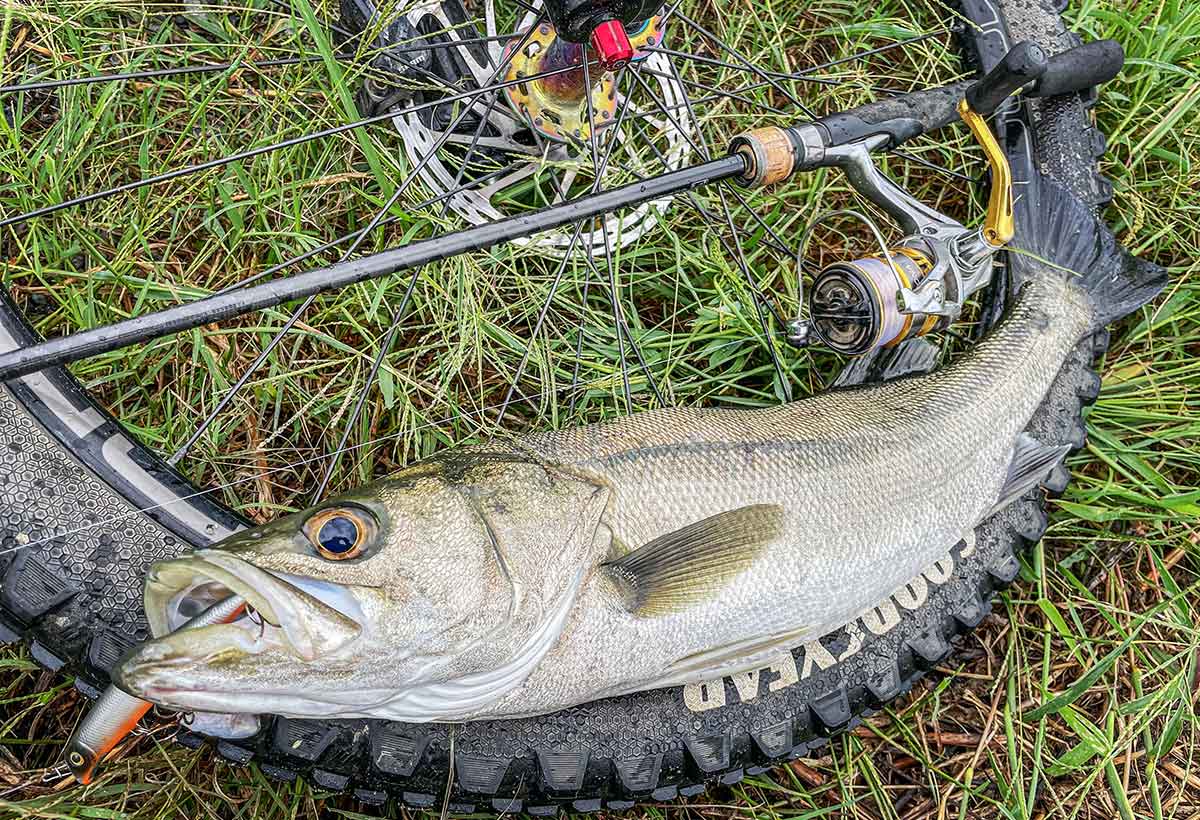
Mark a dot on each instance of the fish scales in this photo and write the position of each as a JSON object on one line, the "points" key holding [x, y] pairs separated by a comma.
{"points": [[874, 482], [526, 576]]}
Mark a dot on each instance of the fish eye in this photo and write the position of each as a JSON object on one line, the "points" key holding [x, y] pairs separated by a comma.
{"points": [[340, 533]]}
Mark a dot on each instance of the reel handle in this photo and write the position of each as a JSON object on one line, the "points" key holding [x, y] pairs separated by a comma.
{"points": [[1024, 63], [1080, 68]]}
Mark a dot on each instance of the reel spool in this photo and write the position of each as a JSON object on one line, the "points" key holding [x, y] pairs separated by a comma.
{"points": [[854, 307]]}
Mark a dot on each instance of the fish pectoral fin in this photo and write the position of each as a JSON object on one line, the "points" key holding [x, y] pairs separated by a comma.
{"points": [[1032, 462], [694, 562]]}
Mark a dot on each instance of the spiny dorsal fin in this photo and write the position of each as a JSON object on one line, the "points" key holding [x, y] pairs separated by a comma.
{"points": [[691, 563], [912, 356], [1032, 462]]}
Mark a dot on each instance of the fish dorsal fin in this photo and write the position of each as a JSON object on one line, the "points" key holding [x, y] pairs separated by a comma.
{"points": [[1032, 462], [692, 563], [910, 357]]}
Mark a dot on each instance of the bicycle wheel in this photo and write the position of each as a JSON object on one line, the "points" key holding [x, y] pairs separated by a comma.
{"points": [[109, 468]]}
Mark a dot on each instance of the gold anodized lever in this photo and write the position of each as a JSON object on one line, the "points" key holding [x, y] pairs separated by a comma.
{"points": [[998, 223]]}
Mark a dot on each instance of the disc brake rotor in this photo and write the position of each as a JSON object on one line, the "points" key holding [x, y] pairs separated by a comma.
{"points": [[539, 131]]}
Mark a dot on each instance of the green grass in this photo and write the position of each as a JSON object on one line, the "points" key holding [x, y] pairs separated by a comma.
{"points": [[1076, 700]]}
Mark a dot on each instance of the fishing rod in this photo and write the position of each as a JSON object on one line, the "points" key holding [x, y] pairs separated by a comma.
{"points": [[245, 300], [951, 265]]}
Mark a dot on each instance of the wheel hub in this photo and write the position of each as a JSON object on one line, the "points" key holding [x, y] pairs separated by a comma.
{"points": [[557, 106], [510, 136]]}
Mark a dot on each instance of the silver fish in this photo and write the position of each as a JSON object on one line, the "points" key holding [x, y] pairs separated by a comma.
{"points": [[664, 548]]}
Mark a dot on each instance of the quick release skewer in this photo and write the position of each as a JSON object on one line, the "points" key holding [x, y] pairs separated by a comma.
{"points": [[602, 23]]}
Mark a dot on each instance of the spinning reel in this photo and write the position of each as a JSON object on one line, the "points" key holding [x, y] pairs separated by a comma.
{"points": [[919, 285], [922, 283]]}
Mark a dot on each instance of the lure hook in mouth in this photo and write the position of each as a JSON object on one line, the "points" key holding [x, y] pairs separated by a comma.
{"points": [[286, 616]]}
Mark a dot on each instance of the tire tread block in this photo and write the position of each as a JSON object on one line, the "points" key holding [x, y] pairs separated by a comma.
{"points": [[832, 709], [395, 752], [482, 775], [30, 588], [106, 649], [711, 753], [775, 741], [639, 774], [885, 682], [563, 770], [305, 739], [929, 648], [332, 781]]}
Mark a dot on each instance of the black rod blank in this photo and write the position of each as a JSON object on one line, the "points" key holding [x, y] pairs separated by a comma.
{"points": [[118, 335]]}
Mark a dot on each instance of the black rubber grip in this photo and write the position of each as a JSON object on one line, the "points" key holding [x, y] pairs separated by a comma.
{"points": [[918, 112], [1024, 63], [1080, 68], [903, 116]]}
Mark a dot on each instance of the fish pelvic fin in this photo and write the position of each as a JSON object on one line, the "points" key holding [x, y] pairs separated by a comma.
{"points": [[1032, 462], [692, 563], [1054, 228]]}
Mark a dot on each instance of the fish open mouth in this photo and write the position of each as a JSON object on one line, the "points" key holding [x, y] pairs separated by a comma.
{"points": [[303, 616]]}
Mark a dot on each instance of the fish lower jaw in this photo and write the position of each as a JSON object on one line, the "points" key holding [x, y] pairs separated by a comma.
{"points": [[288, 616]]}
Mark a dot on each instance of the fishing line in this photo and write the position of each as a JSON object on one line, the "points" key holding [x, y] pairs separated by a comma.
{"points": [[258, 475]]}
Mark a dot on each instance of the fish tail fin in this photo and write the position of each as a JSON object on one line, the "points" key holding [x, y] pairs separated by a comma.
{"points": [[1053, 226]]}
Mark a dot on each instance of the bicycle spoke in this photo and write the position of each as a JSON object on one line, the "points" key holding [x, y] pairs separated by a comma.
{"points": [[804, 75], [728, 95], [361, 235], [598, 174], [232, 392], [376, 365], [148, 74], [236, 388], [462, 169], [591, 115], [739, 250], [621, 327], [502, 177], [747, 62], [775, 242], [933, 166], [862, 55], [267, 149], [610, 265], [713, 61], [391, 220], [386, 345], [718, 94], [537, 325], [402, 47]]}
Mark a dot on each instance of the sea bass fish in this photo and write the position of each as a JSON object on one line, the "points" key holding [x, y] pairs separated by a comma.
{"points": [[664, 548]]}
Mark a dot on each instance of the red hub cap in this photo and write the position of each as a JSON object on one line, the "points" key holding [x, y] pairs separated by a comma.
{"points": [[612, 46]]}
